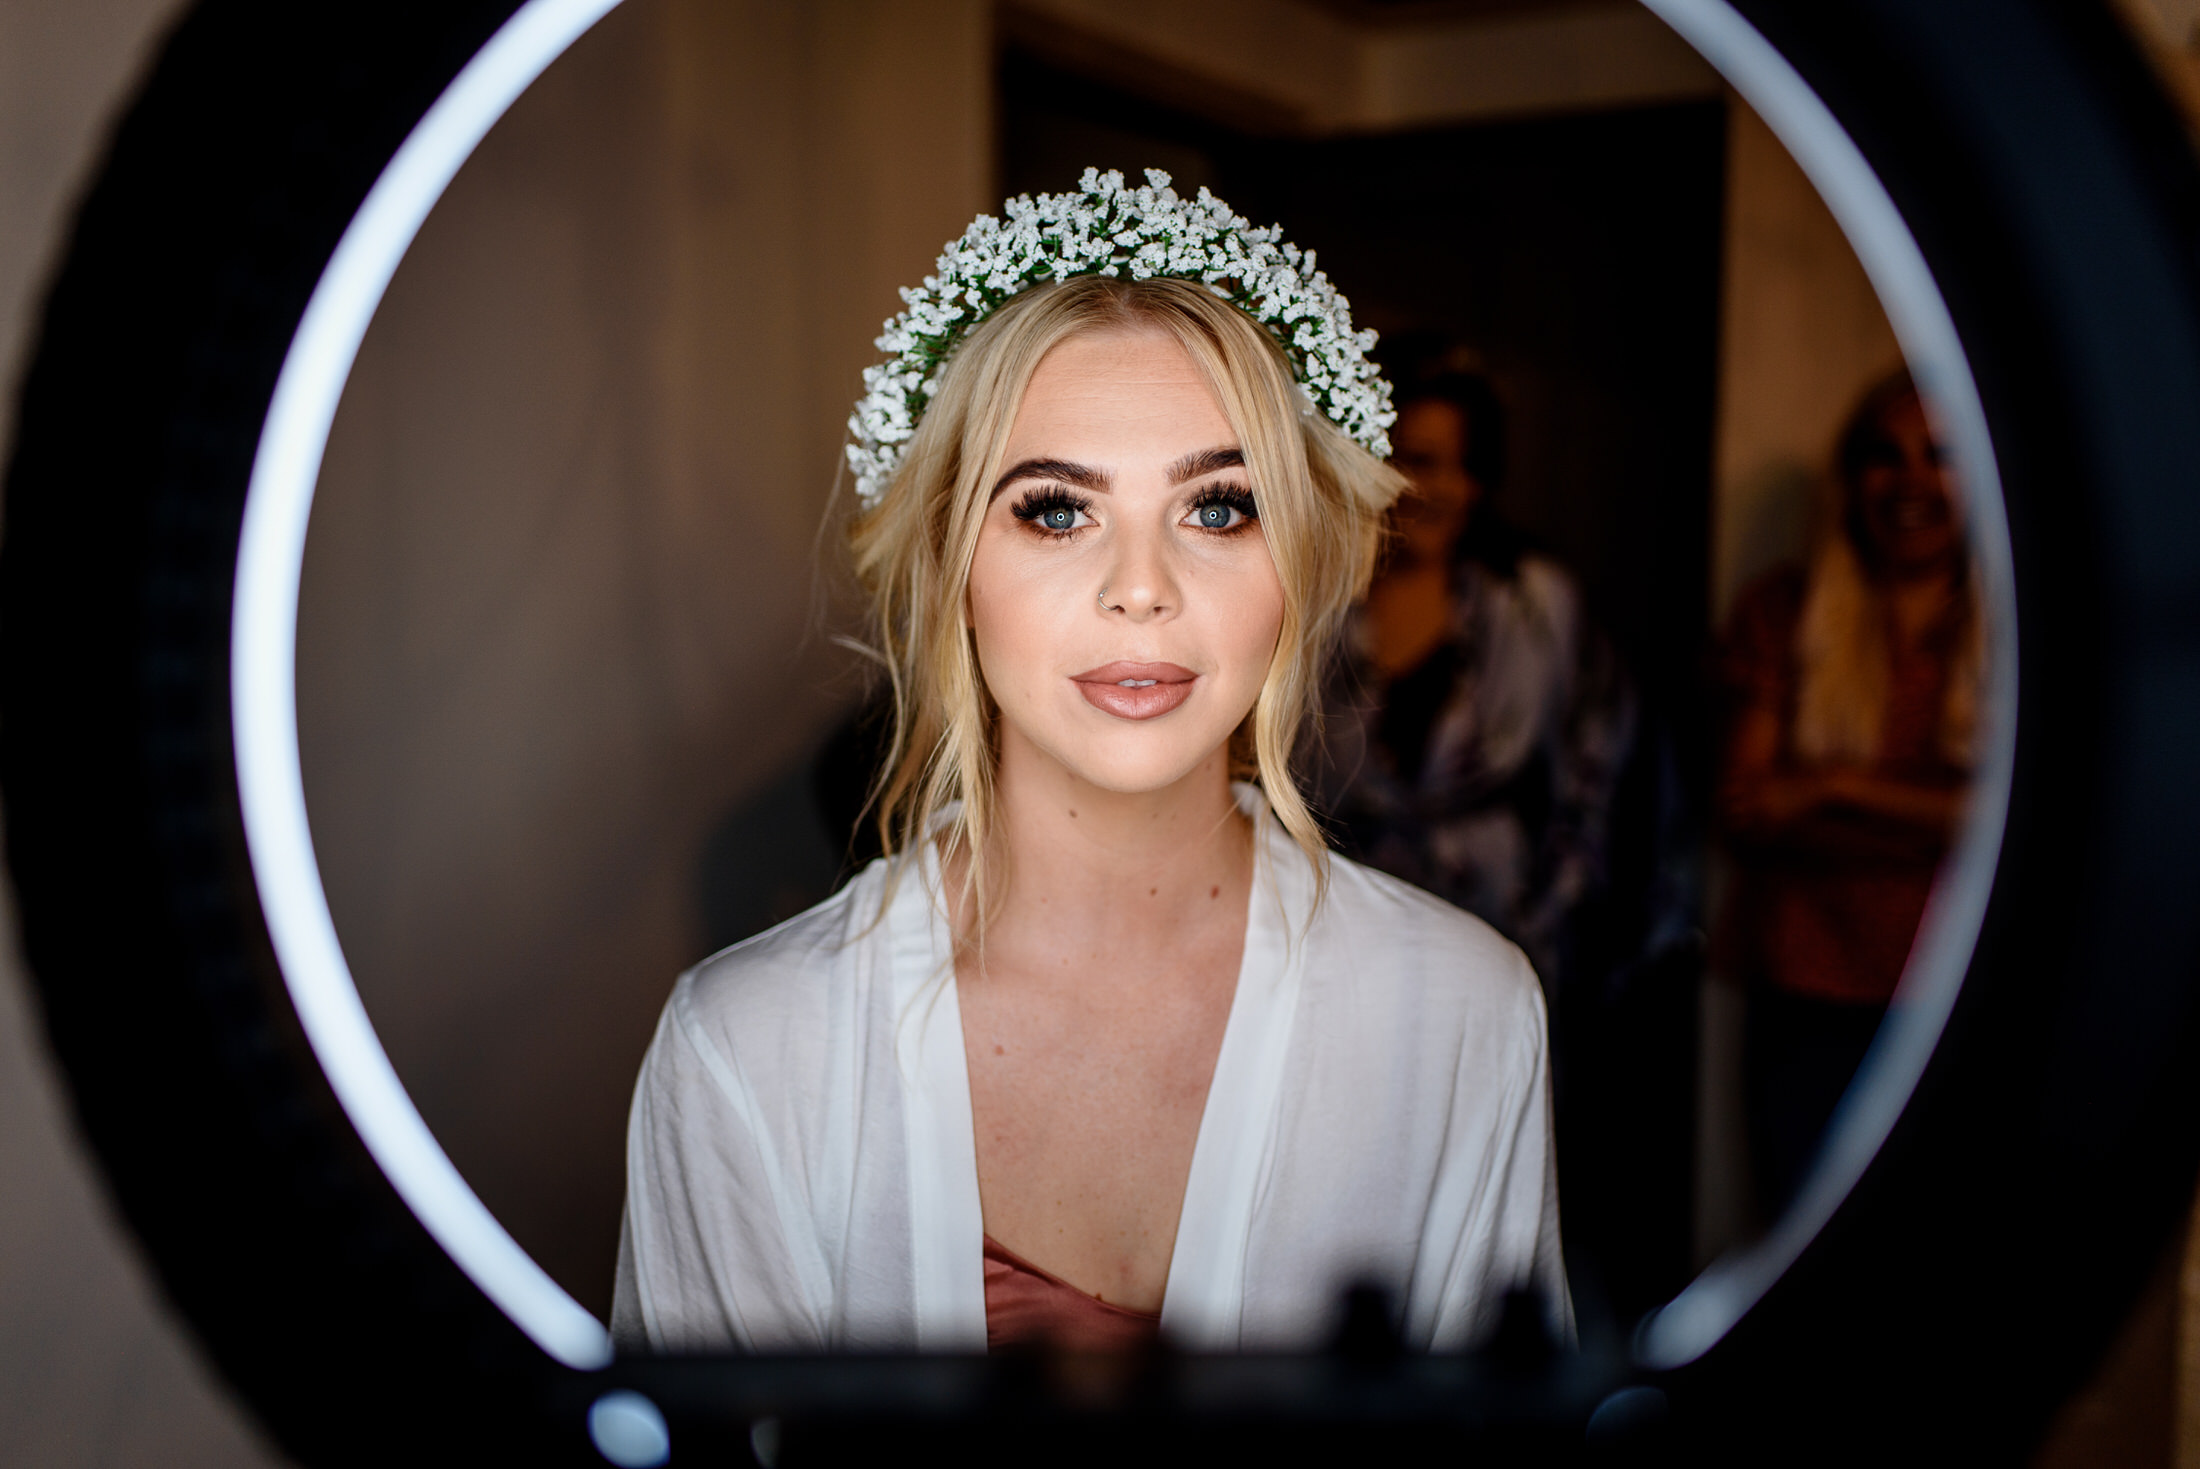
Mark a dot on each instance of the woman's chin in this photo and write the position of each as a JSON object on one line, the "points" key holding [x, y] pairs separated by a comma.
{"points": [[1129, 778], [1136, 763]]}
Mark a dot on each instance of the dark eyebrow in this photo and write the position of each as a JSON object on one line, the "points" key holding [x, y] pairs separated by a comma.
{"points": [[1206, 461], [1084, 476]]}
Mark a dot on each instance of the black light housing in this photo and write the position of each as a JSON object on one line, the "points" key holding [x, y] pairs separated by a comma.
{"points": [[1959, 1289]]}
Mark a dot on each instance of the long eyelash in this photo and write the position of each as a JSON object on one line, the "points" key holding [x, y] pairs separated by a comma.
{"points": [[1237, 497], [1039, 499]]}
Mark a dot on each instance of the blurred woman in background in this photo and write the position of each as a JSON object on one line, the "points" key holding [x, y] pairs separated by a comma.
{"points": [[1477, 725], [1852, 686]]}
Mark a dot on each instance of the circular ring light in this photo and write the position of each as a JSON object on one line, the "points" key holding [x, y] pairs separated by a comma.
{"points": [[148, 593], [263, 672], [1708, 1308], [271, 558]]}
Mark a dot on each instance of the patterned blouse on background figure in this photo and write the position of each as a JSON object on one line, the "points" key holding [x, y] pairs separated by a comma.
{"points": [[1485, 775]]}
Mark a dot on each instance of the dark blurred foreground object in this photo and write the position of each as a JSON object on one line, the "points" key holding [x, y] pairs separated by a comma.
{"points": [[1956, 1293]]}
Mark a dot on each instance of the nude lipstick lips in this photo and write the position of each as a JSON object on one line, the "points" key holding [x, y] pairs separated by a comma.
{"points": [[1135, 690]]}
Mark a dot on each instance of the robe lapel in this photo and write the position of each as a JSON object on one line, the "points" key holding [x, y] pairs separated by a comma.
{"points": [[1204, 1301], [946, 1222], [1205, 1296]]}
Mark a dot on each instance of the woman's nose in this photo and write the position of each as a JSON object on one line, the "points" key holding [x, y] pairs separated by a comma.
{"points": [[1141, 586]]}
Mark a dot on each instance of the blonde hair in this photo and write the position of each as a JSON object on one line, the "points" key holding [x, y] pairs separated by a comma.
{"points": [[1843, 641], [1322, 498]]}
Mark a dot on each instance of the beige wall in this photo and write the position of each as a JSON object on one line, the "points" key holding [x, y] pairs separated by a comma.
{"points": [[1564, 58], [94, 1370], [1801, 335], [560, 609], [1304, 67], [2177, 20]]}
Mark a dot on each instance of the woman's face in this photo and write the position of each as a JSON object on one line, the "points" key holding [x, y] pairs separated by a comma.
{"points": [[1123, 476], [1902, 497], [1429, 447]]}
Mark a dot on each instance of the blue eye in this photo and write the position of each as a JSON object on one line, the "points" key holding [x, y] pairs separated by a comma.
{"points": [[1052, 512], [1224, 508]]}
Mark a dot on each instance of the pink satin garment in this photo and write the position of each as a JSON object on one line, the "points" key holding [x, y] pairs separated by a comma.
{"points": [[1024, 1304]]}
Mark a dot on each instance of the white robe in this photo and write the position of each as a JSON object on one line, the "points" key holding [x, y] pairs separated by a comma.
{"points": [[802, 1171]]}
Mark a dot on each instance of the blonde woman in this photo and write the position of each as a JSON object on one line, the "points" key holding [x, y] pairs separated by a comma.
{"points": [[1107, 1045], [1853, 687]]}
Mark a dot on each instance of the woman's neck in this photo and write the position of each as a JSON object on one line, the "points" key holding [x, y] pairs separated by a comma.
{"points": [[1079, 869], [1920, 600]]}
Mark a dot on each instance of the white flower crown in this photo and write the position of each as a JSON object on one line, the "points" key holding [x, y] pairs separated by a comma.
{"points": [[1107, 229]]}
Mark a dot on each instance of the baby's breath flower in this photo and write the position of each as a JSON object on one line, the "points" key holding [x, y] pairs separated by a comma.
{"points": [[1107, 229]]}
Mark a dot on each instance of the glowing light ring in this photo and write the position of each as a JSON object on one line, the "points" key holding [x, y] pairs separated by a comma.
{"points": [[263, 668], [1712, 1303], [263, 693]]}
